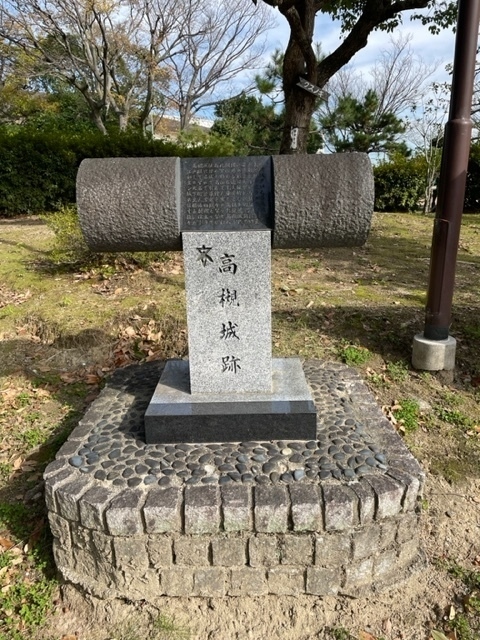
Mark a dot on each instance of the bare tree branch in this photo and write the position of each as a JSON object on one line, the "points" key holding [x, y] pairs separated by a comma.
{"points": [[108, 51], [398, 79], [219, 43]]}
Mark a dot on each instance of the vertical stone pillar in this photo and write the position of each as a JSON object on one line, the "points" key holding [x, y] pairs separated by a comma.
{"points": [[227, 278]]}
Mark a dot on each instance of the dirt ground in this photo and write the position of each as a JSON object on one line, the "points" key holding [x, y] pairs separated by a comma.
{"points": [[408, 611], [322, 301]]}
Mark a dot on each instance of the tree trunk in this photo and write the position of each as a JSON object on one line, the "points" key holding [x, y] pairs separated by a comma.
{"points": [[151, 71], [96, 110], [123, 121], [299, 62], [185, 112], [296, 130], [147, 105], [300, 57], [98, 121]]}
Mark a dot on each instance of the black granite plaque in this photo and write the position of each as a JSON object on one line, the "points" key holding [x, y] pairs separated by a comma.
{"points": [[226, 194]]}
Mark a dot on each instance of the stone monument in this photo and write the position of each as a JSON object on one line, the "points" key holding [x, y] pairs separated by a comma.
{"points": [[226, 210], [231, 473], [230, 388]]}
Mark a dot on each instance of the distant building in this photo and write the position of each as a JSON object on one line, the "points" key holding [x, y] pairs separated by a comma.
{"points": [[168, 127]]}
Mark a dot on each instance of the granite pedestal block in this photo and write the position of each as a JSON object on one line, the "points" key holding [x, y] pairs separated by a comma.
{"points": [[286, 412]]}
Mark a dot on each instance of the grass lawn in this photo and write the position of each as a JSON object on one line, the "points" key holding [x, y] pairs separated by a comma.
{"points": [[64, 328]]}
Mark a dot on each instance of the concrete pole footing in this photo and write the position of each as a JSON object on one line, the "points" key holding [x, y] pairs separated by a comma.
{"points": [[433, 355]]}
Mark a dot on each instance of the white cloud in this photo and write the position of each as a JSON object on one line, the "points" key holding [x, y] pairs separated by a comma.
{"points": [[431, 48]]}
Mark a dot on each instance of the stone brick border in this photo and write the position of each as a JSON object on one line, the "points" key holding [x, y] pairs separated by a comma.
{"points": [[318, 537]]}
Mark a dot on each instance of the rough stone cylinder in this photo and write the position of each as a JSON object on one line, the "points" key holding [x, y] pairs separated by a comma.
{"points": [[140, 204]]}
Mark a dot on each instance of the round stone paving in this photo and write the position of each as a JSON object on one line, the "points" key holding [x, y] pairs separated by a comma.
{"points": [[114, 449]]}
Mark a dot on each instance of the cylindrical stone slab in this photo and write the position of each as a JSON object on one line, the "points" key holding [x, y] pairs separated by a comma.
{"points": [[322, 200], [130, 204], [134, 204]]}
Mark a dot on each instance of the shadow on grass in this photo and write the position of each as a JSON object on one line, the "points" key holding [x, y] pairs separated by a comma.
{"points": [[385, 330], [24, 522], [406, 259], [22, 222], [28, 247]]}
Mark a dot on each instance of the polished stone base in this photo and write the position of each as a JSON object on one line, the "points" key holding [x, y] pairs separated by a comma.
{"points": [[176, 415]]}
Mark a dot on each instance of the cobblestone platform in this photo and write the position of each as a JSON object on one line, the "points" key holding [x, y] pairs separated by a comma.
{"points": [[333, 515]]}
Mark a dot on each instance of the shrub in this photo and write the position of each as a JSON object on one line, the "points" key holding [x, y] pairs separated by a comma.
{"points": [[399, 184], [472, 187], [70, 251], [69, 247], [36, 172], [38, 168]]}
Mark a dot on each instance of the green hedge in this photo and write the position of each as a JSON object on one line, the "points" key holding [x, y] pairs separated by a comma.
{"points": [[38, 169], [472, 187], [399, 184]]}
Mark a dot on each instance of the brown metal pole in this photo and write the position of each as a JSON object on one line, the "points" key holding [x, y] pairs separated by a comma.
{"points": [[453, 173]]}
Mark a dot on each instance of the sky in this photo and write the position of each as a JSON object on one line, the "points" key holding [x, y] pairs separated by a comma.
{"points": [[431, 48]]}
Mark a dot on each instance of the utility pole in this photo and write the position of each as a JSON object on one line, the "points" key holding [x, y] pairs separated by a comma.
{"points": [[434, 349]]}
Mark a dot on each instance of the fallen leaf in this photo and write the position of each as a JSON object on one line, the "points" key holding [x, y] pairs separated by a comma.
{"points": [[6, 544], [68, 377], [176, 271], [41, 393], [364, 635], [92, 378], [29, 465], [17, 463], [438, 635], [8, 296]]}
